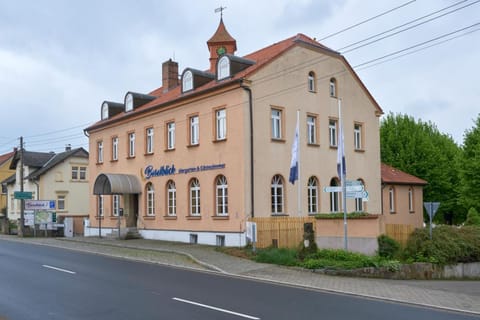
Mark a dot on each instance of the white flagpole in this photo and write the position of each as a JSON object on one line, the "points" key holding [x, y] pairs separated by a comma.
{"points": [[341, 149], [299, 186]]}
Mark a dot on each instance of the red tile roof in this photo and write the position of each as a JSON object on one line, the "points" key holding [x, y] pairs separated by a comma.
{"points": [[6, 156], [391, 175], [261, 57], [221, 35]]}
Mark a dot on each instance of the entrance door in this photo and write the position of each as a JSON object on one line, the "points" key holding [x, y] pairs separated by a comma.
{"points": [[131, 210]]}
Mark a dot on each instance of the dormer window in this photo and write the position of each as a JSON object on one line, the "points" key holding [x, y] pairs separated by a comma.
{"points": [[128, 102], [104, 111], [187, 81], [223, 68]]}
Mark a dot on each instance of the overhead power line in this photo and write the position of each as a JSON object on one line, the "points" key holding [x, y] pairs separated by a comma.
{"points": [[367, 20]]}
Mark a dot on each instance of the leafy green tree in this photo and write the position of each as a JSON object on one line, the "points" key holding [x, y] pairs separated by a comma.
{"points": [[418, 148], [470, 168], [473, 218]]}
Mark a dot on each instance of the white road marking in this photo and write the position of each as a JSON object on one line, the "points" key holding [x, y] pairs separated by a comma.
{"points": [[216, 309], [58, 269]]}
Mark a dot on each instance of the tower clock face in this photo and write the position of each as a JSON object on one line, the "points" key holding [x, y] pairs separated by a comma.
{"points": [[221, 50]]}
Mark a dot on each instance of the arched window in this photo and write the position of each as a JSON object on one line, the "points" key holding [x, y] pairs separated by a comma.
{"points": [[187, 81], [411, 206], [194, 197], [334, 196], [391, 200], [311, 81], [359, 207], [221, 196], [104, 111], [223, 70], [150, 199], [277, 194], [312, 195], [333, 87], [171, 198]]}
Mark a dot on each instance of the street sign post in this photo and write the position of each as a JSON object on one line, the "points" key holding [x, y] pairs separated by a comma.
{"points": [[431, 208], [22, 195]]}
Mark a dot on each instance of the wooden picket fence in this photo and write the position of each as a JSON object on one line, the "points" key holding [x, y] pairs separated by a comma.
{"points": [[399, 232], [282, 232]]}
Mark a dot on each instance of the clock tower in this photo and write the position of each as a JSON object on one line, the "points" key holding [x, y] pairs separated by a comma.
{"points": [[221, 42]]}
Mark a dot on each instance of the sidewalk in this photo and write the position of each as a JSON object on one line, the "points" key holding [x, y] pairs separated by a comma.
{"points": [[452, 295]]}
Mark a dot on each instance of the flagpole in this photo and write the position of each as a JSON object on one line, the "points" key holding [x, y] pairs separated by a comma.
{"points": [[343, 176], [299, 186]]}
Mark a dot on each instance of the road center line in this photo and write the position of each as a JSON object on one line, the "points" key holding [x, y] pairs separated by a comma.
{"points": [[58, 269], [216, 309]]}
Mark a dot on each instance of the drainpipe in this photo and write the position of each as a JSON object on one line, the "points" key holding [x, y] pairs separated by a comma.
{"points": [[252, 184]]}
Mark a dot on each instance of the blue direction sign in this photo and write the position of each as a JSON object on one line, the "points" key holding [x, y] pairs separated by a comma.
{"points": [[22, 195]]}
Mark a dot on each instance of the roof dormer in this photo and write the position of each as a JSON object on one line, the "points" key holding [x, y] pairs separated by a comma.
{"points": [[192, 79], [134, 100], [109, 109], [228, 65]]}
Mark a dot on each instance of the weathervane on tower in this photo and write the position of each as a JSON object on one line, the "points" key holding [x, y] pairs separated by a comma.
{"points": [[220, 9]]}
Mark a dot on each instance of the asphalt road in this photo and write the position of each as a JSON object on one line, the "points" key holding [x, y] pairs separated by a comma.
{"points": [[38, 282]]}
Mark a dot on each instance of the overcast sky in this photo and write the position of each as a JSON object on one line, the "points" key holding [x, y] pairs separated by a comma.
{"points": [[60, 59]]}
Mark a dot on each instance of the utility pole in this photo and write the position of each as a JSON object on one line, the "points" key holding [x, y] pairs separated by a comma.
{"points": [[22, 201]]}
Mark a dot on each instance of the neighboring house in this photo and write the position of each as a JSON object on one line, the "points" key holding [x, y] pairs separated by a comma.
{"points": [[193, 160], [5, 172], [402, 197], [62, 177]]}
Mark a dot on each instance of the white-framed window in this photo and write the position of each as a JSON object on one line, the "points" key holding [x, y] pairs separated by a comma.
{"points": [[411, 206], [334, 197], [149, 144], [221, 195], [221, 124], [276, 123], [311, 81], [115, 148], [100, 152], [311, 129], [115, 205], [223, 68], [333, 87], [61, 202], [187, 81], [277, 198], [104, 111], [150, 199], [171, 198], [194, 197], [171, 135], [332, 132], [194, 130], [79, 173], [100, 205], [312, 195], [357, 136], [359, 207], [129, 102], [391, 200], [131, 144]]}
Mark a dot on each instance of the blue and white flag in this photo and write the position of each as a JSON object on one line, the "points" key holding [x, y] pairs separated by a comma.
{"points": [[294, 163], [341, 165]]}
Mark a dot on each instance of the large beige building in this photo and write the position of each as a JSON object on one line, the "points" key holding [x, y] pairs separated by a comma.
{"points": [[194, 159]]}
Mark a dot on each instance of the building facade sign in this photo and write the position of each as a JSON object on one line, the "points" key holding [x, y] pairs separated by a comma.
{"points": [[167, 170]]}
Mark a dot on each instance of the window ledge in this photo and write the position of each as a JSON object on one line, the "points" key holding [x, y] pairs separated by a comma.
{"points": [[101, 217], [360, 150], [169, 150], [114, 217], [194, 217], [279, 215], [316, 145], [148, 154], [99, 163], [221, 217], [193, 145], [219, 140], [170, 217], [278, 140], [114, 160], [148, 217], [130, 157]]}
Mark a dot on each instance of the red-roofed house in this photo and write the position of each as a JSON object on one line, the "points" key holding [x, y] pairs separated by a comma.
{"points": [[193, 160], [402, 197]]}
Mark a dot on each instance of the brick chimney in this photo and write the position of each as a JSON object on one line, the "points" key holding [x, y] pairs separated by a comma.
{"points": [[169, 75]]}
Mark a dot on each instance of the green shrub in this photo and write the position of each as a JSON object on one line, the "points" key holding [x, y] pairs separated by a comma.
{"points": [[473, 218], [387, 247], [280, 256], [449, 245]]}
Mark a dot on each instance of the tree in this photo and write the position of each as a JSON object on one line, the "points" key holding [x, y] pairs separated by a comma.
{"points": [[418, 148], [470, 168], [473, 218]]}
